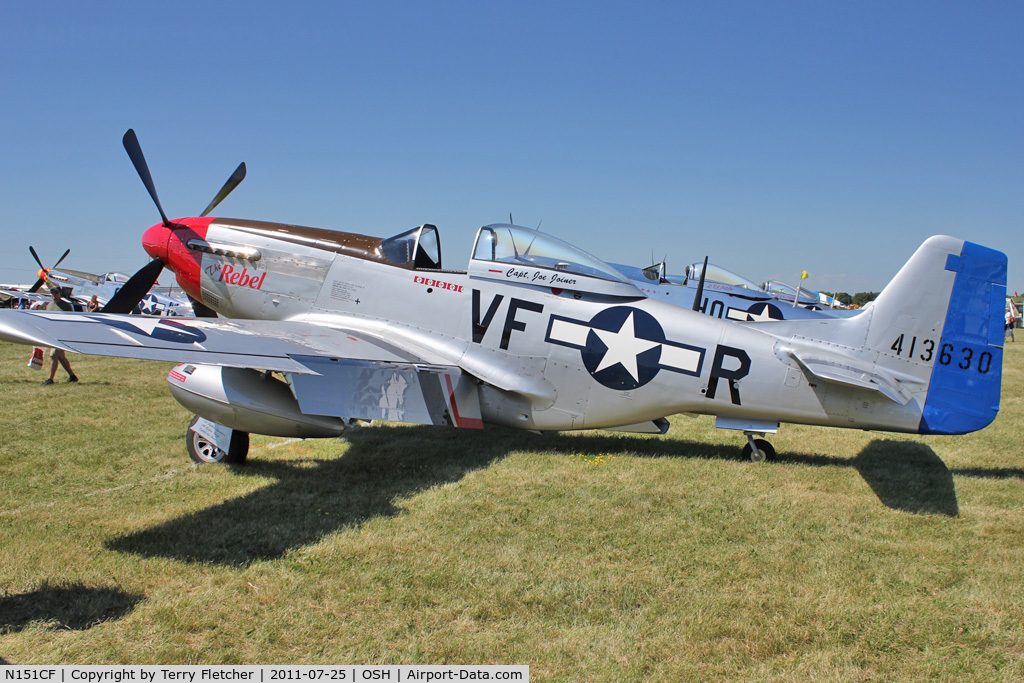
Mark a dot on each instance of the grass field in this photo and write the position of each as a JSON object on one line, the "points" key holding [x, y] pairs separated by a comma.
{"points": [[856, 557]]}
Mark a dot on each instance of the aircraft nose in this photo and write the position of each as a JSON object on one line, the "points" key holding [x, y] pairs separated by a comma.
{"points": [[154, 241]]}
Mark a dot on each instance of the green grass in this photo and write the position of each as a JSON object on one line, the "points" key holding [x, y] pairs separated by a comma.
{"points": [[591, 556]]}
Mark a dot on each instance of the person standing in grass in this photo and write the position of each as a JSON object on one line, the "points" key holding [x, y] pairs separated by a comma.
{"points": [[1010, 321], [57, 356]]}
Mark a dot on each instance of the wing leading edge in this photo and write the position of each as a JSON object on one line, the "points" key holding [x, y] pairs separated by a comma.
{"points": [[256, 344]]}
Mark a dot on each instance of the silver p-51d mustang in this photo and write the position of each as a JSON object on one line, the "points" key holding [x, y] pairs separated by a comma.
{"points": [[534, 334]]}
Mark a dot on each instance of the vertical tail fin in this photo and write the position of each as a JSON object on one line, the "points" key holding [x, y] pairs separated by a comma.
{"points": [[940, 321]]}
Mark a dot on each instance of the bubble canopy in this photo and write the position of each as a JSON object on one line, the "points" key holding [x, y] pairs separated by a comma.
{"points": [[719, 274], [518, 254]]}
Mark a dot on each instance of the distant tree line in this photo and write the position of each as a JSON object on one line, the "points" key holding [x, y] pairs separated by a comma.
{"points": [[860, 298]]}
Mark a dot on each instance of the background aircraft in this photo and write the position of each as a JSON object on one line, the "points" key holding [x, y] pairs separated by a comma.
{"points": [[723, 294], [13, 296], [535, 334], [787, 293], [79, 287]]}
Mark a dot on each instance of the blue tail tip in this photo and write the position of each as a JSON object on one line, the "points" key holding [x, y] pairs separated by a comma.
{"points": [[963, 395]]}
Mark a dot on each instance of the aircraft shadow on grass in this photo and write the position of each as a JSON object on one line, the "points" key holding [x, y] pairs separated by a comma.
{"points": [[908, 476], [905, 475], [313, 498], [316, 497], [72, 607]]}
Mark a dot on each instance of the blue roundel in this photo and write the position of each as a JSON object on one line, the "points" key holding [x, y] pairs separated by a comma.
{"points": [[623, 348], [762, 311]]}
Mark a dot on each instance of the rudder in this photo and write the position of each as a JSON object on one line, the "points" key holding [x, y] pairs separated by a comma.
{"points": [[963, 394]]}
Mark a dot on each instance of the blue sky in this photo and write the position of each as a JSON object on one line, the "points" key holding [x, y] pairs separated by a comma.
{"points": [[773, 137]]}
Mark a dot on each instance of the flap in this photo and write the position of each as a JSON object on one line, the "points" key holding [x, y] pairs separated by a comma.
{"points": [[398, 392]]}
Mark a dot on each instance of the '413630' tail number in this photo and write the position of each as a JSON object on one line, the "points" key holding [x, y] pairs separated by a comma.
{"points": [[963, 358]]}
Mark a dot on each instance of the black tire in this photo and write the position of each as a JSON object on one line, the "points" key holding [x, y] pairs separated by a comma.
{"points": [[203, 452], [763, 446]]}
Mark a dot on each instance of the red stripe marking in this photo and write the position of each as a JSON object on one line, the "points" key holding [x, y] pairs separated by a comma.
{"points": [[468, 423]]}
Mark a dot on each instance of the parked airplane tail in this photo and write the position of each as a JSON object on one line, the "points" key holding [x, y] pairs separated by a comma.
{"points": [[934, 335]]}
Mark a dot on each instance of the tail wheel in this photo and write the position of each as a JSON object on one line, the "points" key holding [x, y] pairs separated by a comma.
{"points": [[202, 451]]}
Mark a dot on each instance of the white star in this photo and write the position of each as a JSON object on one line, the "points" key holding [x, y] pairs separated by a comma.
{"points": [[144, 324], [764, 316], [623, 347]]}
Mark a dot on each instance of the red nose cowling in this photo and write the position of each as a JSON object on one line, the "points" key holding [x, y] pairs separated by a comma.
{"points": [[154, 241], [169, 243]]}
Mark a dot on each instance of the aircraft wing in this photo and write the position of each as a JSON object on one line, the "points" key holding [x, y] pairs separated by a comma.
{"points": [[342, 372]]}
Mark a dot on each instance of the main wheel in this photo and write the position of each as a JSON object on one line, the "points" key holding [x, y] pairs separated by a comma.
{"points": [[766, 449], [202, 451]]}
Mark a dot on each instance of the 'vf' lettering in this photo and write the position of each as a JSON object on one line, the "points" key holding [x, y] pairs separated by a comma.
{"points": [[482, 324]]}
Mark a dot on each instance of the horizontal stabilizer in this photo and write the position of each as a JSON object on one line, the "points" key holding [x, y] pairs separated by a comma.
{"points": [[849, 371]]}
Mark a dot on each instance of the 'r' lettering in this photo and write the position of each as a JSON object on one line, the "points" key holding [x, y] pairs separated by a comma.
{"points": [[718, 371]]}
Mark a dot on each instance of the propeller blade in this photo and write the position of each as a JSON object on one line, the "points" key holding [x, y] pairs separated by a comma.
{"points": [[35, 288], [697, 300], [62, 258], [134, 149], [131, 293], [237, 177], [36, 257], [200, 309]]}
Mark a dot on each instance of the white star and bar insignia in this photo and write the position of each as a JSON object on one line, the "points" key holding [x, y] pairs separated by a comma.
{"points": [[765, 313], [624, 347]]}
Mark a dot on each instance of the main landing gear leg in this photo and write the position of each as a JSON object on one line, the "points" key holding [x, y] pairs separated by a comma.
{"points": [[757, 450]]}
